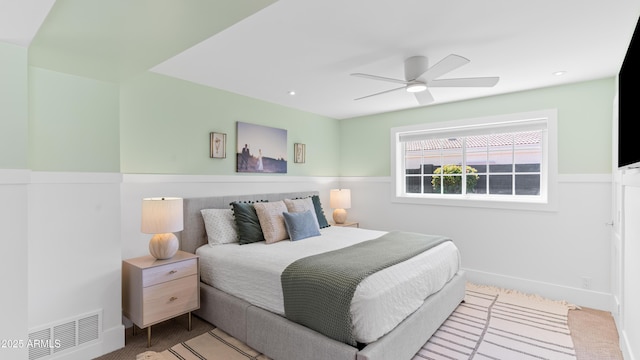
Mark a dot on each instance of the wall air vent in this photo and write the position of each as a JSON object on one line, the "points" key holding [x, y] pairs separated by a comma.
{"points": [[65, 335], [39, 337]]}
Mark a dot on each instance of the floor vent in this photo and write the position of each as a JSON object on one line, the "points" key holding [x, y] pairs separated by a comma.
{"points": [[63, 336]]}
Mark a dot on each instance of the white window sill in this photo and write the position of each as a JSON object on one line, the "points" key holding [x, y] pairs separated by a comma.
{"points": [[493, 202]]}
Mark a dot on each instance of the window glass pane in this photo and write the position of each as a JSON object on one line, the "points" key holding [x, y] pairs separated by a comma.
{"points": [[413, 184], [436, 181], [527, 184], [520, 168], [500, 184], [476, 147], [452, 184], [412, 161], [427, 184], [472, 179], [481, 185], [500, 168]]}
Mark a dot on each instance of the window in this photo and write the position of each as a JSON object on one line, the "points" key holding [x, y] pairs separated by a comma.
{"points": [[502, 159]]}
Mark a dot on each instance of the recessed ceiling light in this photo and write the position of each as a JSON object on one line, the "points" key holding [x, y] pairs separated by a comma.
{"points": [[291, 92], [559, 73]]}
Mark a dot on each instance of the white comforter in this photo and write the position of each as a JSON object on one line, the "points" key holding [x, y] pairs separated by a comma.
{"points": [[381, 301]]}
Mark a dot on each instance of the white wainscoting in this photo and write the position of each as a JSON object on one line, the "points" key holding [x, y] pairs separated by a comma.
{"points": [[629, 320], [13, 267], [561, 254], [74, 256]]}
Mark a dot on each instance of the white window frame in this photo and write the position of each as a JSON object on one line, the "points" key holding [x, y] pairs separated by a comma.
{"points": [[547, 201]]}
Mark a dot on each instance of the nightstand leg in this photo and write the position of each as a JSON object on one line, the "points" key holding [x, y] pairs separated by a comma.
{"points": [[189, 320], [149, 336]]}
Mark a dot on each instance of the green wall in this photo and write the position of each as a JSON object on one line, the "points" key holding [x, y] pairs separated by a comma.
{"points": [[73, 123], [165, 125], [13, 107], [52, 121], [585, 113]]}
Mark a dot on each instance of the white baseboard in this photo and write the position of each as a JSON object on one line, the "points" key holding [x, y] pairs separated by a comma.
{"points": [[112, 340], [625, 346], [580, 297]]}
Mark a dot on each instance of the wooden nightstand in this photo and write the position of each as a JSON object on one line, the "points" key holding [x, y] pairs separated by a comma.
{"points": [[157, 290], [347, 224]]}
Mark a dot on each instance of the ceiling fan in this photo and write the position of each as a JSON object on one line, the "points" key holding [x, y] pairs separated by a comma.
{"points": [[418, 77]]}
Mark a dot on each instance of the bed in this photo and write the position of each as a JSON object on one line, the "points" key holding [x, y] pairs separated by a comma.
{"points": [[238, 305]]}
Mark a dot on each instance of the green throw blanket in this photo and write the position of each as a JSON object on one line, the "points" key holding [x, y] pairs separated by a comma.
{"points": [[318, 289]]}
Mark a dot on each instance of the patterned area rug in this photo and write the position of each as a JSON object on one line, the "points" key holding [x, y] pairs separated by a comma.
{"points": [[212, 345], [492, 323]]}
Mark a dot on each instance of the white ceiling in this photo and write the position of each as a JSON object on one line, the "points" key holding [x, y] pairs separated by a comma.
{"points": [[21, 19], [311, 47]]}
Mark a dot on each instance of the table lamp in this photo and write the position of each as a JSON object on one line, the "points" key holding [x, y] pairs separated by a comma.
{"points": [[162, 217], [339, 200]]}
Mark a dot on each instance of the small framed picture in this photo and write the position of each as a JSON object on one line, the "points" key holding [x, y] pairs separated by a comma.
{"points": [[299, 151], [218, 145]]}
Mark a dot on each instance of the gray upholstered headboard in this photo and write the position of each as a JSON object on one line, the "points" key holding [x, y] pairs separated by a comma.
{"points": [[194, 234]]}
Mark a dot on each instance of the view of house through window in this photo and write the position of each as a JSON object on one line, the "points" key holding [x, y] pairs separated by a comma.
{"points": [[496, 164], [505, 158]]}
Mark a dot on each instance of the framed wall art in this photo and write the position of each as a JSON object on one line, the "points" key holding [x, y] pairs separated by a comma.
{"points": [[299, 153], [217, 145], [261, 149]]}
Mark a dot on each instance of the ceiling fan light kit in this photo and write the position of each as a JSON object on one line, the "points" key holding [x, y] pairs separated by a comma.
{"points": [[416, 87], [419, 77]]}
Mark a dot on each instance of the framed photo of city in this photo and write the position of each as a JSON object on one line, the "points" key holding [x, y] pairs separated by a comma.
{"points": [[217, 145], [261, 149]]}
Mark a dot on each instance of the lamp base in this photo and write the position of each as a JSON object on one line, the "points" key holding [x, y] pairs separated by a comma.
{"points": [[163, 246], [339, 216]]}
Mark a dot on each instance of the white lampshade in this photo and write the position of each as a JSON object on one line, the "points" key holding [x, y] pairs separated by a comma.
{"points": [[162, 217], [340, 198]]}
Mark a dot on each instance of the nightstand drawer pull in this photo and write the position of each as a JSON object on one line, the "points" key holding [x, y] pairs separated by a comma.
{"points": [[167, 272]]}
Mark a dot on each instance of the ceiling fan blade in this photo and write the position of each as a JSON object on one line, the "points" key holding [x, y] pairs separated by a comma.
{"points": [[380, 93], [381, 78], [445, 65], [468, 82], [424, 97]]}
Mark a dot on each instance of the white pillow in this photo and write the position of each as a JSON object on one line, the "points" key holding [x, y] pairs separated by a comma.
{"points": [[272, 221], [220, 225], [302, 205]]}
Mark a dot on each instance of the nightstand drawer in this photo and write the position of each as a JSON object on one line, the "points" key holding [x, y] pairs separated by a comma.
{"points": [[168, 272], [166, 300]]}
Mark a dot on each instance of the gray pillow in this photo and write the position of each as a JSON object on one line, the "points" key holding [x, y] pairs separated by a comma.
{"points": [[301, 225]]}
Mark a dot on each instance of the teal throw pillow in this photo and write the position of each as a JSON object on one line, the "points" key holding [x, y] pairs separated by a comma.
{"points": [[322, 220]]}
